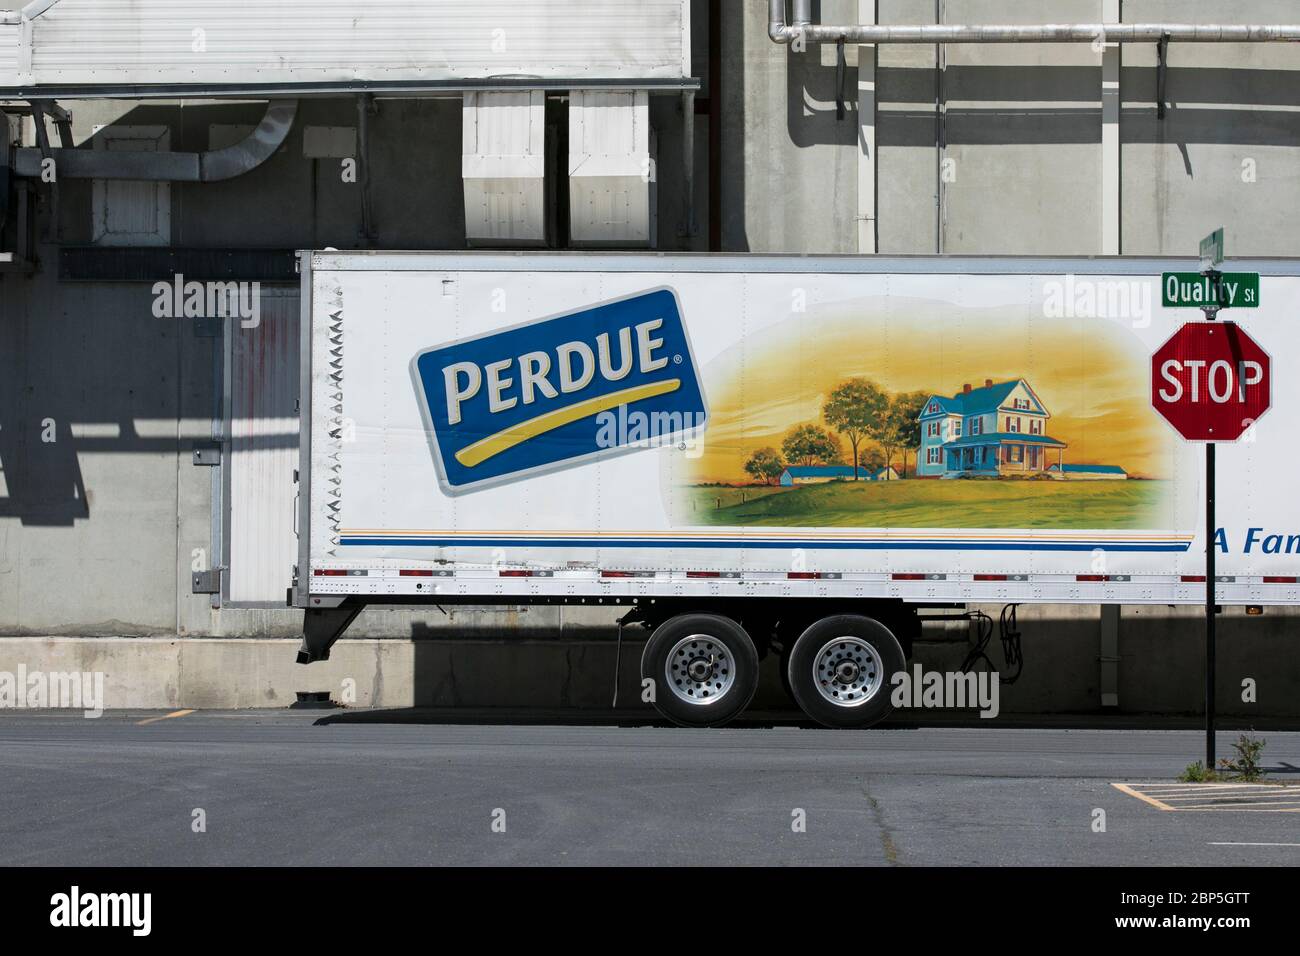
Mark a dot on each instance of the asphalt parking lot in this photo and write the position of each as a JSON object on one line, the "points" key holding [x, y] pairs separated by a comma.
{"points": [[332, 788]]}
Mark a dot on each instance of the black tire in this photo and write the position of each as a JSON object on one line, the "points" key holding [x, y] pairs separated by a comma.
{"points": [[870, 656], [714, 671]]}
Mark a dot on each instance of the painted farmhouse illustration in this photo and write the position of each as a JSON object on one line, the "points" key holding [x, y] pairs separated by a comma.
{"points": [[993, 431]]}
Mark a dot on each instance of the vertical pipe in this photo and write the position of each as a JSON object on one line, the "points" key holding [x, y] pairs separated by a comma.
{"points": [[1109, 671], [715, 127], [841, 71], [775, 17], [940, 133], [1110, 142], [868, 238], [1210, 532], [688, 164], [364, 105]]}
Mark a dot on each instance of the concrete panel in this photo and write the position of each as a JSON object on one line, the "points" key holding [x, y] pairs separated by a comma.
{"points": [[907, 131], [1021, 167], [89, 450], [1225, 153], [789, 164]]}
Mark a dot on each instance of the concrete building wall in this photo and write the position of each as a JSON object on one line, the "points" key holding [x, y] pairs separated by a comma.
{"points": [[101, 403], [1226, 152], [997, 148]]}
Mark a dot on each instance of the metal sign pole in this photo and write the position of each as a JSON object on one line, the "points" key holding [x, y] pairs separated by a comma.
{"points": [[1211, 532], [1209, 606], [1222, 420]]}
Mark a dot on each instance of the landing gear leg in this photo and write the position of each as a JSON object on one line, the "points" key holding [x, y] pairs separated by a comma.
{"points": [[321, 627]]}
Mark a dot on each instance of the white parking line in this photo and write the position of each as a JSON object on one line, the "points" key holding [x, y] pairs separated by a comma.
{"points": [[1216, 797]]}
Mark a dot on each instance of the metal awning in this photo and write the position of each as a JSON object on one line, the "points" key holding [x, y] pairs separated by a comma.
{"points": [[141, 49], [378, 88]]}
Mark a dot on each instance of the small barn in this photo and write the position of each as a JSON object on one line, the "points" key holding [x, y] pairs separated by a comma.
{"points": [[819, 474], [1088, 472]]}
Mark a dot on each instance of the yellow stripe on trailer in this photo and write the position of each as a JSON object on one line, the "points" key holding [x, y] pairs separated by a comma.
{"points": [[485, 448]]}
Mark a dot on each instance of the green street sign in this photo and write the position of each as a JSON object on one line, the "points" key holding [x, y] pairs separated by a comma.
{"points": [[1234, 290], [1212, 251]]}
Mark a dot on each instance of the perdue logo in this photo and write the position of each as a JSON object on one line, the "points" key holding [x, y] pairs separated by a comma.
{"points": [[546, 394]]}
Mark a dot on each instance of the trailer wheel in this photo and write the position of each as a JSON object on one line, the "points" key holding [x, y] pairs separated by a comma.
{"points": [[840, 670], [704, 668]]}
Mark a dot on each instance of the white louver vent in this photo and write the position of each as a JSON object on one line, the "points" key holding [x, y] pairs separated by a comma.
{"points": [[503, 165], [611, 169]]}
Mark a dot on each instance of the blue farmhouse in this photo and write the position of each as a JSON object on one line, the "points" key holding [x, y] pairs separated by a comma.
{"points": [[1000, 429]]}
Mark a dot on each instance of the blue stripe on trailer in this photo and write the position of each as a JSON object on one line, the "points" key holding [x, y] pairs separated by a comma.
{"points": [[373, 542]]}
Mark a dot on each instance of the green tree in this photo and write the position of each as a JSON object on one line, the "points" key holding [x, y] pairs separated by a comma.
{"points": [[810, 445], [904, 410], [765, 465], [855, 409], [871, 458]]}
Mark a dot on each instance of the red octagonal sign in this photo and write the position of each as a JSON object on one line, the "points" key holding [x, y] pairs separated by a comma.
{"points": [[1211, 380]]}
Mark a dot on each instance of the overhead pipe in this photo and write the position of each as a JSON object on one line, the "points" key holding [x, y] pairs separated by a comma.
{"points": [[214, 165], [803, 29]]}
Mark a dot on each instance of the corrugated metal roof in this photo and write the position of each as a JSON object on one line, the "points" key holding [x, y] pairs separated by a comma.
{"points": [[204, 42], [977, 401], [824, 471], [9, 34]]}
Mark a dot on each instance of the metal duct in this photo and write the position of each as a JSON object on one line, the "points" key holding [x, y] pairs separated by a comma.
{"points": [[207, 167], [781, 32]]}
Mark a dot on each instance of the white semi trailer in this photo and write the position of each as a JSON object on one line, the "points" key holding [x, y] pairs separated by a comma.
{"points": [[757, 453]]}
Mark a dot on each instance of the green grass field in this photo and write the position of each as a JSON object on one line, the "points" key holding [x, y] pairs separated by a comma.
{"points": [[935, 504]]}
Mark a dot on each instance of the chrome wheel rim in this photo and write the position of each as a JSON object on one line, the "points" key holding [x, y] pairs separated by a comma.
{"points": [[700, 670], [848, 671]]}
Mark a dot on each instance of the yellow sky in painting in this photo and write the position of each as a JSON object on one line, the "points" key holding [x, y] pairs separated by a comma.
{"points": [[1092, 375]]}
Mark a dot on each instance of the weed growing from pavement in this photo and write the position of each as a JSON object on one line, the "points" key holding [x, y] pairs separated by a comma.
{"points": [[1246, 767]]}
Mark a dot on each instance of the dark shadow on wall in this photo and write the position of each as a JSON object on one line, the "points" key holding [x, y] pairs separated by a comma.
{"points": [[810, 101], [732, 135], [906, 105], [87, 368], [43, 484]]}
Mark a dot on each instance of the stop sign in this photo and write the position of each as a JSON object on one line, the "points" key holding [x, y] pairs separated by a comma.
{"points": [[1211, 381]]}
